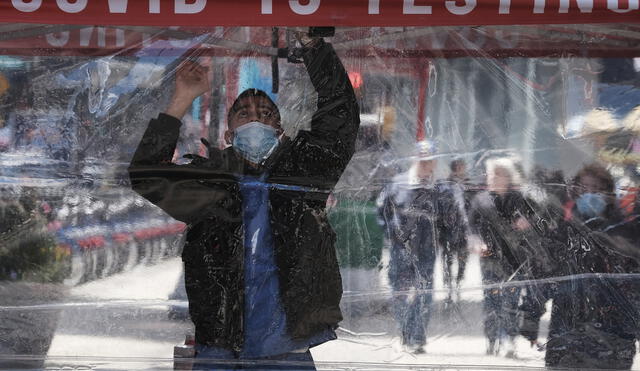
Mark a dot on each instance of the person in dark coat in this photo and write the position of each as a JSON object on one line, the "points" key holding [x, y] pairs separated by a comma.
{"points": [[453, 225], [498, 217], [261, 272], [407, 209], [594, 320], [546, 199]]}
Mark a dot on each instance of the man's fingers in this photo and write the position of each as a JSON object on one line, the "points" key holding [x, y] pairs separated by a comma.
{"points": [[190, 66], [185, 65], [192, 78], [197, 68], [196, 74]]}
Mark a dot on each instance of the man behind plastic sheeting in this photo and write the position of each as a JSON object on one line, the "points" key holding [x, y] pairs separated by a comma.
{"points": [[260, 267], [407, 210]]}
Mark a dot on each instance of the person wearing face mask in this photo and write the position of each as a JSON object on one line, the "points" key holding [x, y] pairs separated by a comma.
{"points": [[594, 320], [261, 272]]}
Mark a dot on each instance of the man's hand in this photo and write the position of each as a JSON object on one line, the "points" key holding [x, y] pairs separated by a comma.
{"points": [[192, 80], [302, 35]]}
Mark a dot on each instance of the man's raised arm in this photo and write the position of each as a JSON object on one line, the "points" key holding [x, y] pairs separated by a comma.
{"points": [[152, 174], [335, 124]]}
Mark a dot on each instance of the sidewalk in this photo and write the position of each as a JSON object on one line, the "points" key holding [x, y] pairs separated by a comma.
{"points": [[125, 325]]}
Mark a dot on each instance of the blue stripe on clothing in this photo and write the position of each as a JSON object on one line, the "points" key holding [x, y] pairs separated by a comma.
{"points": [[264, 317]]}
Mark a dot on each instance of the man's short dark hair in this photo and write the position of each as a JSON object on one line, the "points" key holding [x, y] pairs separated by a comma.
{"points": [[252, 93]]}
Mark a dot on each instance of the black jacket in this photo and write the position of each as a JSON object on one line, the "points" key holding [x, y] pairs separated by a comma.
{"points": [[205, 194], [452, 223], [492, 217], [408, 212], [595, 320]]}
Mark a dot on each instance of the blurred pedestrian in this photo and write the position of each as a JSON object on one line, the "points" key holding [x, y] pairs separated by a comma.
{"points": [[407, 210], [546, 197], [594, 321], [453, 225], [498, 216]]}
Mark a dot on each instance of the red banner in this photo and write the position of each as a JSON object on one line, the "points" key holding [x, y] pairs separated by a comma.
{"points": [[318, 12], [620, 40]]}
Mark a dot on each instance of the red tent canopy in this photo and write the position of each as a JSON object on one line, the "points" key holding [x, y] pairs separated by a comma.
{"points": [[393, 28], [319, 12]]}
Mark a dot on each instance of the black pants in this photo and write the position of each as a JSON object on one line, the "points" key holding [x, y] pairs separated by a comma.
{"points": [[500, 304], [533, 308], [453, 248]]}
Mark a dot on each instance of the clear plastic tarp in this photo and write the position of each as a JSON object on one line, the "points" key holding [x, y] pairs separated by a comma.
{"points": [[456, 197]]}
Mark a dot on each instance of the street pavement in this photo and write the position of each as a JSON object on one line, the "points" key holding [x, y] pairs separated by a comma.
{"points": [[124, 322]]}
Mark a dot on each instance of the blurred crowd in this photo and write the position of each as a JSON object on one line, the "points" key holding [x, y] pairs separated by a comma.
{"points": [[572, 242]]}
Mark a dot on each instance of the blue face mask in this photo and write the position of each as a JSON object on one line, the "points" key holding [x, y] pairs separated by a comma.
{"points": [[591, 205], [255, 141]]}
